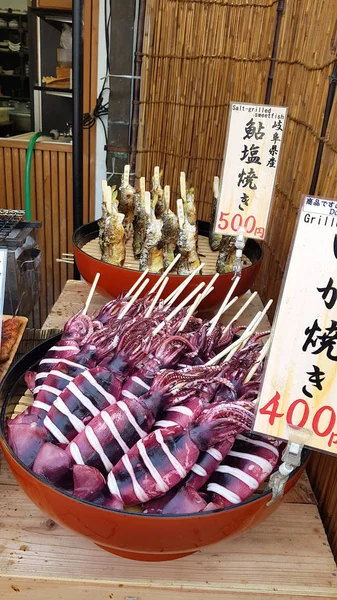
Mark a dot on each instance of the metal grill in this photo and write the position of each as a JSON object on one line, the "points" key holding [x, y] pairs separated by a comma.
{"points": [[9, 220]]}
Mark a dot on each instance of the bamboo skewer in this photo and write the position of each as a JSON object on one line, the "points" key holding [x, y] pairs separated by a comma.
{"points": [[194, 307], [156, 298], [228, 352], [133, 299], [242, 309], [178, 308], [172, 297], [244, 337], [162, 277], [65, 261], [91, 293], [223, 305], [261, 357], [136, 284]]}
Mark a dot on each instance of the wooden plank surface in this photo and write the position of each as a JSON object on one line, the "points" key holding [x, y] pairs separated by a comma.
{"points": [[285, 557], [75, 293]]}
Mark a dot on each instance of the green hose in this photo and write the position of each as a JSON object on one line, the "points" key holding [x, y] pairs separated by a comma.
{"points": [[29, 154]]}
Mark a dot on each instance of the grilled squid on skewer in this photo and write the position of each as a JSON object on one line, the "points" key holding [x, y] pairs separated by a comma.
{"points": [[127, 202], [170, 229], [139, 224], [152, 251], [112, 235]]}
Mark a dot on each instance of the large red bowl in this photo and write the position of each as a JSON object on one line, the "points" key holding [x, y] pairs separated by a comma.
{"points": [[114, 280], [136, 536]]}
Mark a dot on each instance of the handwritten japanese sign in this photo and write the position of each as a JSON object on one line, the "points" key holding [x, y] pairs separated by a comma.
{"points": [[252, 152], [299, 389]]}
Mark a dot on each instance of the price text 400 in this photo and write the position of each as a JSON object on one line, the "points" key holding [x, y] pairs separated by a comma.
{"points": [[305, 420]]}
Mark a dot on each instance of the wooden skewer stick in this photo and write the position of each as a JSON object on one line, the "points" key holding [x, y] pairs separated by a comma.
{"points": [[253, 325], [227, 350], [242, 309], [178, 308], [211, 283], [162, 277], [156, 298], [91, 293], [126, 178], [263, 313], [222, 307], [106, 191], [245, 336], [183, 186], [67, 261], [180, 213], [136, 284], [194, 306], [172, 297], [156, 177], [133, 299], [67, 254], [261, 357]]}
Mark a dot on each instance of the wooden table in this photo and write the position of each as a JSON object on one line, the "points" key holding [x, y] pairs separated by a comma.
{"points": [[287, 557]]}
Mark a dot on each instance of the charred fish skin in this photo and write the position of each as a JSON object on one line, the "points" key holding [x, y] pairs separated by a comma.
{"points": [[227, 254], [170, 236], [127, 205], [158, 192], [152, 252], [187, 247], [214, 238], [112, 234], [139, 227]]}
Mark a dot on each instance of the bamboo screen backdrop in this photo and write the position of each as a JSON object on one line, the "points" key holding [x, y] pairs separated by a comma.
{"points": [[200, 54]]}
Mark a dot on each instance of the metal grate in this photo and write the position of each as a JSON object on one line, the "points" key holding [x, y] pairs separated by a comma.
{"points": [[9, 220]]}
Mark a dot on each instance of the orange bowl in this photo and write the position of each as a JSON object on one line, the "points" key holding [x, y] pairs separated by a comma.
{"points": [[114, 280], [131, 535]]}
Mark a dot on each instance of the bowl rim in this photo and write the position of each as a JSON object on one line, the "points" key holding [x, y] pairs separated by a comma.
{"points": [[99, 261], [3, 439]]}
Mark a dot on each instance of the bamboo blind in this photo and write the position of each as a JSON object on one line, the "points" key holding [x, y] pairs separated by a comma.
{"points": [[197, 56], [200, 54]]}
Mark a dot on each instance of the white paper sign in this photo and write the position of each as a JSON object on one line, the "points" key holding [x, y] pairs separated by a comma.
{"points": [[254, 137], [299, 389], [3, 269]]}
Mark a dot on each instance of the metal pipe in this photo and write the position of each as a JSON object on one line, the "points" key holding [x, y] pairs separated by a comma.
{"points": [[280, 10], [77, 66], [137, 83], [327, 111]]}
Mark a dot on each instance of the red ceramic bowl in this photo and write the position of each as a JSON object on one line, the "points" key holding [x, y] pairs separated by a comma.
{"points": [[114, 280], [136, 536]]}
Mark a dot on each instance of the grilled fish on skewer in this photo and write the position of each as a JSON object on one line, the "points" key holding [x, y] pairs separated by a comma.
{"points": [[127, 202], [170, 229], [112, 232], [152, 252], [186, 243], [189, 207], [227, 254], [139, 223], [157, 191], [214, 238]]}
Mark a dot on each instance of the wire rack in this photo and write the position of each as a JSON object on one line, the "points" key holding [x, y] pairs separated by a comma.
{"points": [[9, 220]]}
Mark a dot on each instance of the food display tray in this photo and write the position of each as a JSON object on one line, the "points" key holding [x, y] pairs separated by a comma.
{"points": [[286, 557]]}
